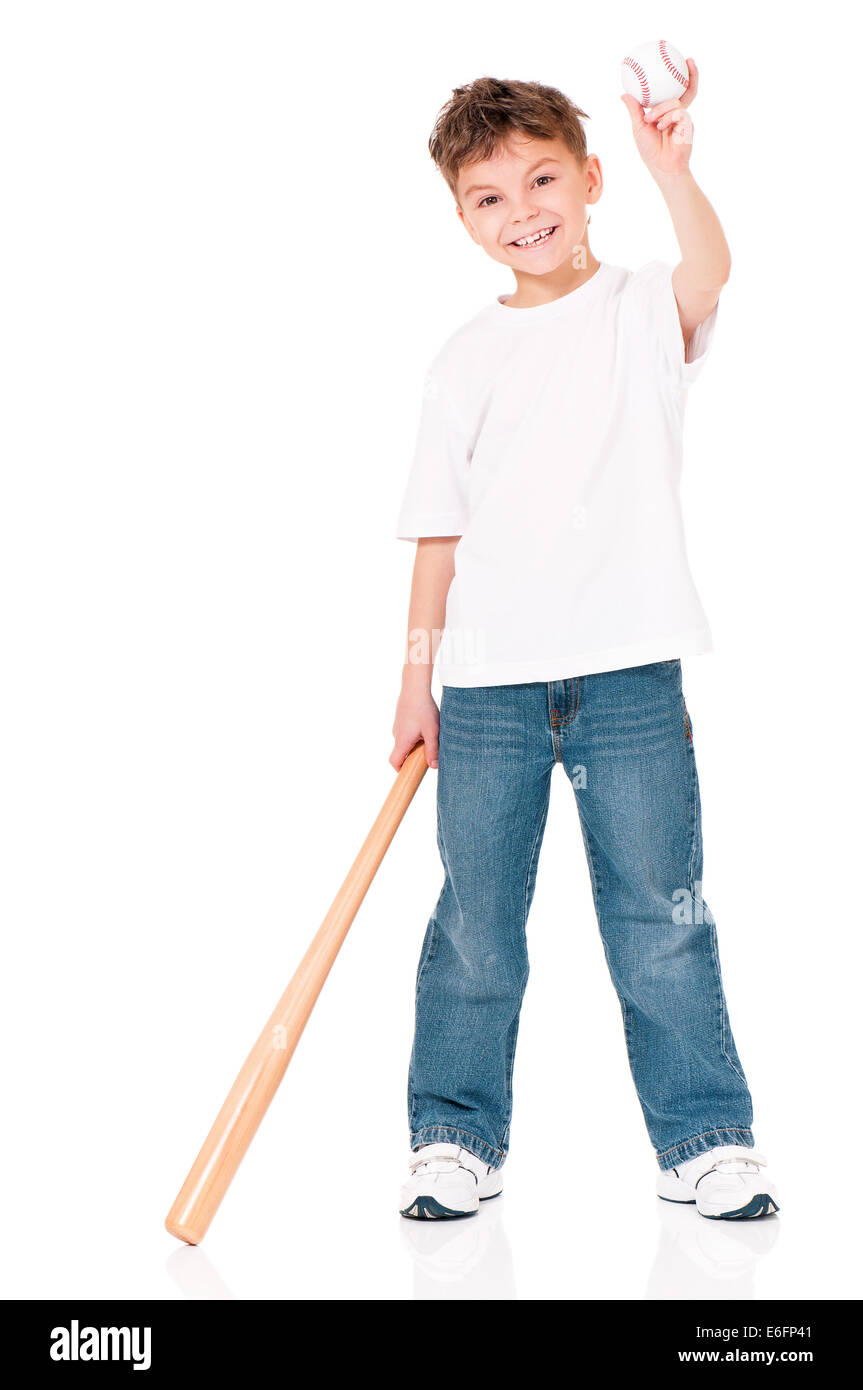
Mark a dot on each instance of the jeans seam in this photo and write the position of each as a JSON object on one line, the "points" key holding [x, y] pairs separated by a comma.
{"points": [[711, 927], [573, 698], [570, 702], [424, 960], [723, 1014], [432, 927], [534, 853], [595, 886]]}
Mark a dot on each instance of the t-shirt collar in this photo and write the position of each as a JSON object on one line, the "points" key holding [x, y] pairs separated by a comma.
{"points": [[555, 308]]}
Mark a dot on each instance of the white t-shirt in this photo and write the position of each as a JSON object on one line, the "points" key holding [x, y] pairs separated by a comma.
{"points": [[550, 441]]}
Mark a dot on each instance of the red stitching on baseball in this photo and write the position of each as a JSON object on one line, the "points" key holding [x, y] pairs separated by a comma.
{"points": [[640, 75], [663, 53]]}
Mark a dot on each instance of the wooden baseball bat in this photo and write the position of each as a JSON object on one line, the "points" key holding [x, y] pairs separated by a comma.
{"points": [[266, 1064]]}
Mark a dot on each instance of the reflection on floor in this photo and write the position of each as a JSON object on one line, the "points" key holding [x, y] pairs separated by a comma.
{"points": [[472, 1258], [195, 1274], [697, 1258], [463, 1259]]}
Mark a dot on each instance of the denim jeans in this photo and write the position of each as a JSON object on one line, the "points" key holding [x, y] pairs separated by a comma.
{"points": [[624, 739]]}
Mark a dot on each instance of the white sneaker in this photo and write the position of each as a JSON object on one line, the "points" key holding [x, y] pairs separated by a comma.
{"points": [[445, 1181], [726, 1184]]}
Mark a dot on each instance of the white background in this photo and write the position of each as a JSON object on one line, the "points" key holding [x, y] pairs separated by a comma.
{"points": [[226, 260]]}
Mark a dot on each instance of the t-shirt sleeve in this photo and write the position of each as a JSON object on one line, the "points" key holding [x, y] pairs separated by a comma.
{"points": [[657, 318], [435, 499]]}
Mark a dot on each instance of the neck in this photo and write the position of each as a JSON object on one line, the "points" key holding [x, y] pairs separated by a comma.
{"points": [[542, 289]]}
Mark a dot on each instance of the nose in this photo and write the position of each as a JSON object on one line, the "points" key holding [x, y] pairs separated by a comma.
{"points": [[523, 226]]}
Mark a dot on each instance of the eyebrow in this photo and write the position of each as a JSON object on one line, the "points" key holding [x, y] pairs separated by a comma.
{"points": [[478, 187]]}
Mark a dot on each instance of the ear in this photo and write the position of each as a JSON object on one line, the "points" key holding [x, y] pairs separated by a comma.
{"points": [[593, 161]]}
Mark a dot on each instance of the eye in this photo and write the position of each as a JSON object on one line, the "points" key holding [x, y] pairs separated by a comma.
{"points": [[492, 197]]}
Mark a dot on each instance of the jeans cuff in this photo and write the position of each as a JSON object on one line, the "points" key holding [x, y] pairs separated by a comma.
{"points": [[711, 1139], [443, 1134]]}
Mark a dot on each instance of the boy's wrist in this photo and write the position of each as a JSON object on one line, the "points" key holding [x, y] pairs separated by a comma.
{"points": [[672, 182], [417, 675]]}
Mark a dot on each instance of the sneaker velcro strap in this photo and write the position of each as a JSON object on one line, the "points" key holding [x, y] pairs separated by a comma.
{"points": [[738, 1154], [439, 1150], [446, 1155], [732, 1165], [474, 1165], [436, 1165]]}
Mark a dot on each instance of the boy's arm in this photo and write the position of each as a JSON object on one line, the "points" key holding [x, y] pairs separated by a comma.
{"points": [[417, 715], [663, 136], [705, 263]]}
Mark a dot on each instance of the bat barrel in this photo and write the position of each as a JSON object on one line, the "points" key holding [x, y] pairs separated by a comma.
{"points": [[237, 1122]]}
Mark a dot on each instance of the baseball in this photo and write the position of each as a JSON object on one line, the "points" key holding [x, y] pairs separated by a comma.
{"points": [[654, 72]]}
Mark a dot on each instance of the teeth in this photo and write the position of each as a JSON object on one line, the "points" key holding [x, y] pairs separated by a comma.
{"points": [[537, 236]]}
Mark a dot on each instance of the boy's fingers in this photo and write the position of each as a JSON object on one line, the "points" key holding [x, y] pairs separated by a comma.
{"points": [[398, 755], [677, 113], [689, 94], [430, 739], [636, 112], [660, 108], [681, 121], [401, 750]]}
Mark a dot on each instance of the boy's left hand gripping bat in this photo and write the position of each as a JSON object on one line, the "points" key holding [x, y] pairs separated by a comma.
{"points": [[266, 1064]]}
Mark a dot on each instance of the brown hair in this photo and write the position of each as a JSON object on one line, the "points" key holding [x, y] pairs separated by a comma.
{"points": [[478, 118]]}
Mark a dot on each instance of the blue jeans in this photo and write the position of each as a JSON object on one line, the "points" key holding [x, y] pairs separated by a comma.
{"points": [[624, 739]]}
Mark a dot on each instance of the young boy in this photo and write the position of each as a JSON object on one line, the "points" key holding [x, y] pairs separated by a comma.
{"points": [[544, 501]]}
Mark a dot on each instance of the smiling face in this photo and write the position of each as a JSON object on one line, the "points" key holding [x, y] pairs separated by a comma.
{"points": [[527, 207]]}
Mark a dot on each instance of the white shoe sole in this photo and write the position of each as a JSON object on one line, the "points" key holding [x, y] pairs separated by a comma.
{"points": [[671, 1188]]}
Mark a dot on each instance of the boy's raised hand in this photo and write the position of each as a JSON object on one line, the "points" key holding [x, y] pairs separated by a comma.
{"points": [[663, 133]]}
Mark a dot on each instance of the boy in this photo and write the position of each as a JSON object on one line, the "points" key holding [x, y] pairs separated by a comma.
{"points": [[543, 498]]}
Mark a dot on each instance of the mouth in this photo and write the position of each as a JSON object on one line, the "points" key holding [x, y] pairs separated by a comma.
{"points": [[539, 238]]}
